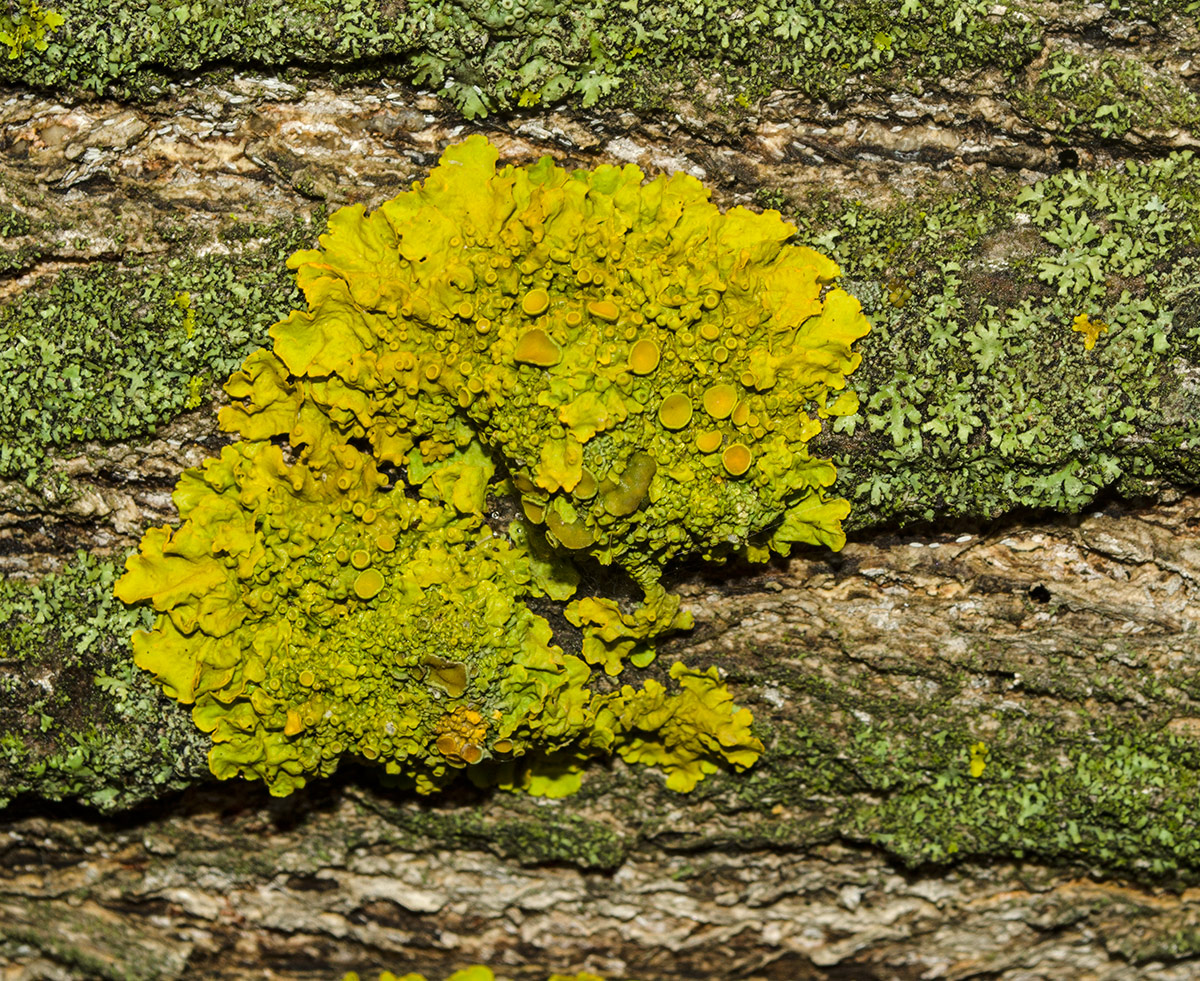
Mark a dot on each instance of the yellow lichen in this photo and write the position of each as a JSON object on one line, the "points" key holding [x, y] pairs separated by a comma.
{"points": [[719, 400], [534, 347], [978, 762], [737, 459], [475, 973], [1090, 329], [675, 411], [535, 302], [679, 731], [643, 359], [523, 332], [735, 315]]}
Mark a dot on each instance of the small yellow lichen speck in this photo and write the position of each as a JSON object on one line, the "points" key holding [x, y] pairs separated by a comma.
{"points": [[1089, 328], [978, 764]]}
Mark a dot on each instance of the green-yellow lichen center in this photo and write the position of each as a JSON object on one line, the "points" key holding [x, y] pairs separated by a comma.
{"points": [[633, 366]]}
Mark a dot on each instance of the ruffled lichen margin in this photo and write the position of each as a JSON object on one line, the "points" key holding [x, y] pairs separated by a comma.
{"points": [[633, 366]]}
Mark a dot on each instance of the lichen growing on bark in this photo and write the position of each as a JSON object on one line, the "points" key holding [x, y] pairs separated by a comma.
{"points": [[525, 333]]}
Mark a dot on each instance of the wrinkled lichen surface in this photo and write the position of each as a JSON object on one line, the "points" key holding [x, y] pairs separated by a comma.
{"points": [[631, 363]]}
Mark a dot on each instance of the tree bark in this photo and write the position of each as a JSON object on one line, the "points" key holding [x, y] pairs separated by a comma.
{"points": [[980, 717]]}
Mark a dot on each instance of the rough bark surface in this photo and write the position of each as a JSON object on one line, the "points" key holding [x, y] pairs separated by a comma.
{"points": [[759, 876], [981, 717]]}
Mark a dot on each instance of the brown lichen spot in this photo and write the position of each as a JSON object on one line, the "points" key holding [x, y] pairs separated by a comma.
{"points": [[643, 359], [368, 584], [535, 302], [536, 347], [675, 411], [604, 310], [737, 459], [719, 400], [708, 441]]}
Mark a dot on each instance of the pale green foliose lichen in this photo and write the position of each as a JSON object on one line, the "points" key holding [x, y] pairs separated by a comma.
{"points": [[488, 55], [980, 397]]}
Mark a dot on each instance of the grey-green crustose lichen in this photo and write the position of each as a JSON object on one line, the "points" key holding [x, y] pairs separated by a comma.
{"points": [[77, 720], [488, 56]]}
